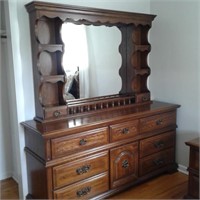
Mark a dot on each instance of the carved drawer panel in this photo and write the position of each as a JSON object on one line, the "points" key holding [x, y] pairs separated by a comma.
{"points": [[69, 173], [124, 130], [79, 142], [156, 161], [84, 189], [157, 121], [123, 164], [157, 143]]}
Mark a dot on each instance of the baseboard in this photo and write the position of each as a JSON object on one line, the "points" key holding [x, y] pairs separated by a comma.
{"points": [[183, 169]]}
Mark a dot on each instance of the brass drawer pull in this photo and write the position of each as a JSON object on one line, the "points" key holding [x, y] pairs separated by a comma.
{"points": [[159, 162], [125, 131], [159, 144], [83, 191], [82, 142], [83, 169], [125, 164], [56, 113], [159, 122], [145, 98]]}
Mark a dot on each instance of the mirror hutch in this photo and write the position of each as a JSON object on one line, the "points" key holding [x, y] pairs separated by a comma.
{"points": [[94, 147]]}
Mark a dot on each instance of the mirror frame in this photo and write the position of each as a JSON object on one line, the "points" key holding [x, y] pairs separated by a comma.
{"points": [[45, 23]]}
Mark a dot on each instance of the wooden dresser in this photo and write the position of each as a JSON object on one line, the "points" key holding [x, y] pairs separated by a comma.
{"points": [[193, 182], [98, 146], [95, 156]]}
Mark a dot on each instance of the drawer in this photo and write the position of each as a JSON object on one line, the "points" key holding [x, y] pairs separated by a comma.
{"points": [[80, 169], [79, 142], [123, 164], [157, 121], [157, 143], [84, 189], [124, 130], [194, 159], [193, 186], [156, 161]]}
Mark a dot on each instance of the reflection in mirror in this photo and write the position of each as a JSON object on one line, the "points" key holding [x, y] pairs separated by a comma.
{"points": [[91, 60]]}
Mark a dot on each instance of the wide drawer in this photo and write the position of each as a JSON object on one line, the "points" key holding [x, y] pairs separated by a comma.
{"points": [[157, 121], [124, 130], [79, 142], [80, 169], [157, 143], [85, 189], [156, 161]]}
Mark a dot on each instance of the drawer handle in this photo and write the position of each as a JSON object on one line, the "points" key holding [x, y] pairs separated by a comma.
{"points": [[159, 162], [83, 191], [56, 113], [145, 98], [82, 142], [159, 122], [83, 169], [159, 144], [125, 164], [125, 131]]}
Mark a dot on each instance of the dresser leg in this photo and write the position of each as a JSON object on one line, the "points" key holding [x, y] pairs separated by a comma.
{"points": [[172, 169], [29, 196]]}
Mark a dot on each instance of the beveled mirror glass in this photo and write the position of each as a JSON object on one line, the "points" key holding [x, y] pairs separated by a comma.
{"points": [[91, 60]]}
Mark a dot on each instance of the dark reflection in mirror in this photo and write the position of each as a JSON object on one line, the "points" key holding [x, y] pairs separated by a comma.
{"points": [[91, 60]]}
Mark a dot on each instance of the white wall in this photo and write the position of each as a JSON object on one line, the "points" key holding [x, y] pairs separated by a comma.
{"points": [[5, 132], [20, 86], [174, 60]]}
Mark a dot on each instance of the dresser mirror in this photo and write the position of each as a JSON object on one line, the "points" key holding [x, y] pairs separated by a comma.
{"points": [[117, 79], [91, 60]]}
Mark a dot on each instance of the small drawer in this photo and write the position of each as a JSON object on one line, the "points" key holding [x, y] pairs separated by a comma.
{"points": [[72, 172], [156, 161], [157, 143], [157, 121], [55, 112], [79, 142], [194, 159], [124, 130], [85, 189]]}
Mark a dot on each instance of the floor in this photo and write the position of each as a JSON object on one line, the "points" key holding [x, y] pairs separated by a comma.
{"points": [[9, 189], [168, 186]]}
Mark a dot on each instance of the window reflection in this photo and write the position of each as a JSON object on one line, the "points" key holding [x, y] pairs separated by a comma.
{"points": [[91, 60]]}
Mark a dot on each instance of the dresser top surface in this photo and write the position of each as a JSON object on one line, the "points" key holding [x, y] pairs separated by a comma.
{"points": [[103, 118], [193, 142]]}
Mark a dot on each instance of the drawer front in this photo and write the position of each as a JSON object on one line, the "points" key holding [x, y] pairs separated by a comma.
{"points": [[193, 186], [157, 143], [123, 164], [194, 159], [157, 121], [80, 169], [156, 161], [79, 142], [124, 130], [84, 189]]}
